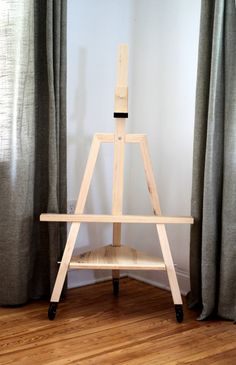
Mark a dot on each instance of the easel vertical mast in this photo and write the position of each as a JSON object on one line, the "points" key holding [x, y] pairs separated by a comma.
{"points": [[120, 113]]}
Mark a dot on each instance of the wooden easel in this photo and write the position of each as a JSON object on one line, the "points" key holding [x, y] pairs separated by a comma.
{"points": [[116, 256]]}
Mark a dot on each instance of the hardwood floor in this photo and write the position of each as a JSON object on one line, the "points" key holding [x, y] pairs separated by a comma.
{"points": [[93, 327]]}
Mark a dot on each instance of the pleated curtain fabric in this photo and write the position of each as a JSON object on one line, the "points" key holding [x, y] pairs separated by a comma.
{"points": [[213, 236], [32, 146]]}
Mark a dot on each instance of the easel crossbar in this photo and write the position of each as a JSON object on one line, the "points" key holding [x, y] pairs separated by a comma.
{"points": [[102, 218]]}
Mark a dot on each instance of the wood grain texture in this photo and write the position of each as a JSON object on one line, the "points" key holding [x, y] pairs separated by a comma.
{"points": [[128, 138], [74, 229], [103, 218], [94, 327], [112, 257], [161, 229], [121, 91], [118, 179], [118, 183]]}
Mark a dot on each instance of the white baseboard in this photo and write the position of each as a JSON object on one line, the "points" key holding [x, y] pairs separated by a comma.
{"points": [[81, 278], [161, 281]]}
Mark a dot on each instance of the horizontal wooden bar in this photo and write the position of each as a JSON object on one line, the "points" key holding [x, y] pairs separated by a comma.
{"points": [[129, 138], [106, 137], [134, 138], [101, 218]]}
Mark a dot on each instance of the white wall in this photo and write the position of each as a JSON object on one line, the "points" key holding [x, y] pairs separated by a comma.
{"points": [[163, 39]]}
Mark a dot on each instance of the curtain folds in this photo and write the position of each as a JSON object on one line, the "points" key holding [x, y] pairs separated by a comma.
{"points": [[213, 236], [32, 146]]}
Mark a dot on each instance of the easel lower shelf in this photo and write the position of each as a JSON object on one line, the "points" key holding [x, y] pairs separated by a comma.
{"points": [[116, 258]]}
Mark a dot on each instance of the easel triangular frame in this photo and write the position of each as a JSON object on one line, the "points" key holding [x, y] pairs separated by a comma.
{"points": [[116, 255]]}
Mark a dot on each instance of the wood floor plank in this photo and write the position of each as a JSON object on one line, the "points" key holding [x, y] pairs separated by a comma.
{"points": [[93, 327]]}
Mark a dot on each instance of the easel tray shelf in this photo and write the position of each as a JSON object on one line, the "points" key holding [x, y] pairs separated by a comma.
{"points": [[116, 258]]}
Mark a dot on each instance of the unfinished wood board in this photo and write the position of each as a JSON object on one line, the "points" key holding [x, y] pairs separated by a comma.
{"points": [[103, 218], [121, 92], [128, 138], [161, 229], [74, 229], [111, 257]]}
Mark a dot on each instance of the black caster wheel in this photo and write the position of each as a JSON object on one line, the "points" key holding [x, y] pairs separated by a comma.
{"points": [[52, 310], [116, 283], [179, 313]]}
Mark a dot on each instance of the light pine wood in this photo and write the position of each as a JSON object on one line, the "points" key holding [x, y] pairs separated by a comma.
{"points": [[94, 328], [121, 106], [161, 229], [121, 91], [116, 258], [128, 138], [118, 168], [74, 229], [121, 100], [134, 138], [103, 218], [106, 137], [122, 66], [151, 182], [118, 182]]}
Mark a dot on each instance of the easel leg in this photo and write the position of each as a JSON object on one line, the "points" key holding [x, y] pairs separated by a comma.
{"points": [[70, 244], [161, 230]]}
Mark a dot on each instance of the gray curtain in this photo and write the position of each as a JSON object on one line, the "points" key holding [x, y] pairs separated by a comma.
{"points": [[32, 145], [213, 236]]}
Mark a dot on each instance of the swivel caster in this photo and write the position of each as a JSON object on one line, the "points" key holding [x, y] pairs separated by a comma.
{"points": [[116, 283], [179, 313], [52, 310]]}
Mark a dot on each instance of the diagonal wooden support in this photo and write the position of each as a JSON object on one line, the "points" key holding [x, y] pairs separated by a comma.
{"points": [[161, 229], [74, 229]]}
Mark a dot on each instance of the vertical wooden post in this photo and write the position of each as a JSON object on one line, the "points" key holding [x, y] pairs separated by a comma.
{"points": [[120, 113], [121, 91]]}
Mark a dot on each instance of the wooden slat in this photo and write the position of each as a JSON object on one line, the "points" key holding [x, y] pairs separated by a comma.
{"points": [[150, 178], [74, 229], [128, 138], [103, 218], [134, 138], [161, 229], [118, 178], [121, 92], [106, 137], [118, 183], [122, 65], [116, 258]]}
